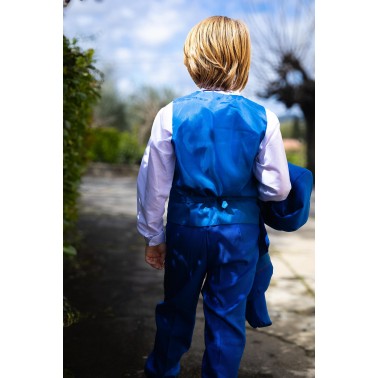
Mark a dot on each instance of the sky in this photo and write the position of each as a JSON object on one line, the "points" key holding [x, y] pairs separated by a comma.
{"points": [[141, 42]]}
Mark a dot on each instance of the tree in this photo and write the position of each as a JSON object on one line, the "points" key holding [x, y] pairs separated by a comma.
{"points": [[112, 109], [144, 105], [282, 33]]}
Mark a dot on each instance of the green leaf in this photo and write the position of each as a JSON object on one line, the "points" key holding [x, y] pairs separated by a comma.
{"points": [[70, 250]]}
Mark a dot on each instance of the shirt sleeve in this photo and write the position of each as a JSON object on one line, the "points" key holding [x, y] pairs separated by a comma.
{"points": [[271, 168], [155, 178]]}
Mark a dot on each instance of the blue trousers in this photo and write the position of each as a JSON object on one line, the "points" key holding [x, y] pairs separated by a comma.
{"points": [[221, 262]]}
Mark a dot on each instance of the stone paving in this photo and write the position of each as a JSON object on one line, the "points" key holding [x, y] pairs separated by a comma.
{"points": [[117, 292]]}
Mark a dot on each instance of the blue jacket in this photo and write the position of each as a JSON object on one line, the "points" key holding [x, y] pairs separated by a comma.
{"points": [[288, 215]]}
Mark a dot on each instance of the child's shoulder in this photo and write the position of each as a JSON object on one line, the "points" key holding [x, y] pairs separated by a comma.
{"points": [[208, 95], [226, 97], [260, 109], [188, 97]]}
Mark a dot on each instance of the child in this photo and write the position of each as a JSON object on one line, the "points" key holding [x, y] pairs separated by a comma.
{"points": [[215, 154]]}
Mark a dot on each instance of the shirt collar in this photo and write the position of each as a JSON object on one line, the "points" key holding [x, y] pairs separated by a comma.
{"points": [[220, 91]]}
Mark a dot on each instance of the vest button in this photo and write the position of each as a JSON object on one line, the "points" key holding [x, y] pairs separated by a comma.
{"points": [[224, 204]]}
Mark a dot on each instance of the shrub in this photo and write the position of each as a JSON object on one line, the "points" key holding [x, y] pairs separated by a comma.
{"points": [[293, 128], [129, 150], [81, 85], [104, 145], [108, 145]]}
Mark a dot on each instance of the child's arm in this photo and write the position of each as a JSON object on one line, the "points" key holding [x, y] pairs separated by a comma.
{"points": [[271, 169], [155, 180]]}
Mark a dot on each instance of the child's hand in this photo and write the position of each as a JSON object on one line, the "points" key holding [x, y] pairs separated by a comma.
{"points": [[155, 255]]}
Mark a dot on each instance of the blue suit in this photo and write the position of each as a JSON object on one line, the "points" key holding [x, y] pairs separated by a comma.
{"points": [[213, 233]]}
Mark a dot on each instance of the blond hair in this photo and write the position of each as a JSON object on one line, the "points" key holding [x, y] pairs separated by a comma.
{"points": [[217, 54]]}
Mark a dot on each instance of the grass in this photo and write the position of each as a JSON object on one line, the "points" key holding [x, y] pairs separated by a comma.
{"points": [[295, 128]]}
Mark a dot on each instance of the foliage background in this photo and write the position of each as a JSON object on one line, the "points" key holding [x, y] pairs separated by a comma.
{"points": [[81, 90]]}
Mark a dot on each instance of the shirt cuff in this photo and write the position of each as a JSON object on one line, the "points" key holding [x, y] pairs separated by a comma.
{"points": [[155, 240]]}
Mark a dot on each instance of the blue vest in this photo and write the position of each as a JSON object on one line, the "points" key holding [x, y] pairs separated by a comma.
{"points": [[216, 138]]}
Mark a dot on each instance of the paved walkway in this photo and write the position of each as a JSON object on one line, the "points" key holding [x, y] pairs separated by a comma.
{"points": [[116, 292]]}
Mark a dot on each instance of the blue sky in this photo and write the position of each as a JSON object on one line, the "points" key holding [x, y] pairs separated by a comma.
{"points": [[141, 41]]}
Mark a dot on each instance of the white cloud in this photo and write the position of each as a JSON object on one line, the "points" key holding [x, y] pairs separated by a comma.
{"points": [[84, 21], [118, 33], [126, 13], [158, 27], [123, 54]]}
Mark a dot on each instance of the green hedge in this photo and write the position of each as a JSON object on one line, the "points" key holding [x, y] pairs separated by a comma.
{"points": [[130, 150], [104, 145], [297, 157], [108, 145], [81, 86]]}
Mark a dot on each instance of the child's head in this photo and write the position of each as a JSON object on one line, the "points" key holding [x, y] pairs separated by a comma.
{"points": [[217, 54]]}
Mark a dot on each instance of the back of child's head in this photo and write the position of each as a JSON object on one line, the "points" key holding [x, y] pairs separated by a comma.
{"points": [[217, 54]]}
